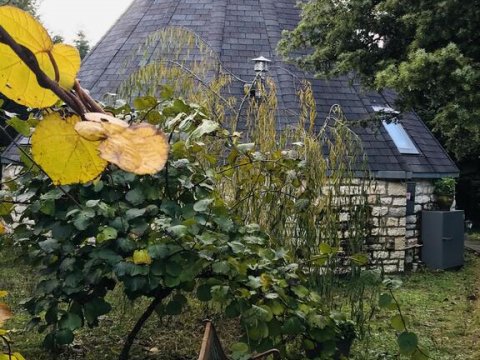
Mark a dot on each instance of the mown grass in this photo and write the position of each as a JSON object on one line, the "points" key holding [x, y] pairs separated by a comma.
{"points": [[442, 308]]}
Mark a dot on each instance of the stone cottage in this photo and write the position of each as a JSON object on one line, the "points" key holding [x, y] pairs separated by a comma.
{"points": [[404, 157]]}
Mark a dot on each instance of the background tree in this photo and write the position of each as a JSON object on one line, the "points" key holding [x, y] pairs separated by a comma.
{"points": [[58, 39], [82, 44], [28, 5], [427, 50]]}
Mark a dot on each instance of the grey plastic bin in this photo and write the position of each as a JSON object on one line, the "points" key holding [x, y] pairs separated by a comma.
{"points": [[443, 239]]}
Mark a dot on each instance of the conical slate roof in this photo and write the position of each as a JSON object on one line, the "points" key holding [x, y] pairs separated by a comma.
{"points": [[240, 30]]}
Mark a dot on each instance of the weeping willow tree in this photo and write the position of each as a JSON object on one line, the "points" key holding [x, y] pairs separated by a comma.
{"points": [[306, 184], [179, 58]]}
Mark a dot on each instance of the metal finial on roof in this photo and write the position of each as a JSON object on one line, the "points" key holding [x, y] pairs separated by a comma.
{"points": [[261, 64]]}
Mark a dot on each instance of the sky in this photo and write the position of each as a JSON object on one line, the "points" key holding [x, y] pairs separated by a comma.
{"points": [[67, 17]]}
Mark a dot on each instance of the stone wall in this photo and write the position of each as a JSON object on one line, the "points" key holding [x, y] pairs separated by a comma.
{"points": [[395, 242]]}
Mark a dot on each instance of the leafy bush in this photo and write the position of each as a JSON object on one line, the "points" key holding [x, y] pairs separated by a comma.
{"points": [[166, 236], [444, 186], [189, 229]]}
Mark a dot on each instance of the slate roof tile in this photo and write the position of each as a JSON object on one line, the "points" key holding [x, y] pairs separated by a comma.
{"points": [[239, 30]]}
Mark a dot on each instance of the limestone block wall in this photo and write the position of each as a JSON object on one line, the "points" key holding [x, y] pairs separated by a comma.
{"points": [[395, 242]]}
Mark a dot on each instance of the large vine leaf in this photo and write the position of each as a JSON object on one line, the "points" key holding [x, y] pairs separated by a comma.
{"points": [[17, 81], [141, 149], [63, 154]]}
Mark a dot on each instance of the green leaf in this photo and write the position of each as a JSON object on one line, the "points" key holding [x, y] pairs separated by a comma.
{"points": [[54, 194], [135, 196], [173, 308], [325, 249], [397, 323], [243, 148], [155, 117], [22, 127], [385, 300], [258, 332], [219, 293], [145, 102], [109, 233], [202, 205], [420, 354], [408, 342], [178, 230], [64, 337], [277, 308], [49, 245], [92, 203], [83, 219], [293, 326], [70, 321], [392, 284], [167, 92], [134, 213], [268, 314], [207, 127], [360, 259], [95, 308], [240, 348], [232, 311], [173, 268], [5, 208], [221, 267], [48, 207], [204, 292], [300, 291]]}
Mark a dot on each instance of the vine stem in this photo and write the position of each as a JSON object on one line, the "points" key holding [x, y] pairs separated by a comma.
{"points": [[80, 103], [161, 294], [5, 340]]}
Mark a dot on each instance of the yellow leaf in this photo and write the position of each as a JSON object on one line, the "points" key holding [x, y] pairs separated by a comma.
{"points": [[3, 293], [68, 61], [5, 313], [3, 332], [17, 81], [141, 149], [15, 356], [63, 154], [141, 257], [90, 130]]}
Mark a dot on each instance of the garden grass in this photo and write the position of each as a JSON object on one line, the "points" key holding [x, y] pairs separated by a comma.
{"points": [[442, 308], [168, 338]]}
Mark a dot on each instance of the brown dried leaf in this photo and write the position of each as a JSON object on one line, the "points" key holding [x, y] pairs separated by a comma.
{"points": [[141, 149], [5, 313]]}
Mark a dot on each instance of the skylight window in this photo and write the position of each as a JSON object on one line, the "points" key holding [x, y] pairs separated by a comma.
{"points": [[400, 138], [399, 135]]}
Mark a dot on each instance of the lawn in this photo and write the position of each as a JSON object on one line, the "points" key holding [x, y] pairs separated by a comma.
{"points": [[442, 307]]}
